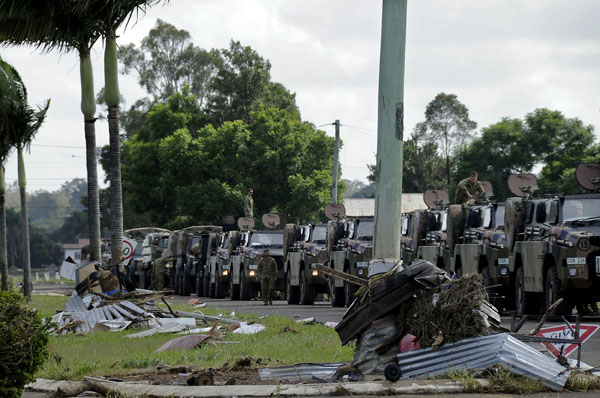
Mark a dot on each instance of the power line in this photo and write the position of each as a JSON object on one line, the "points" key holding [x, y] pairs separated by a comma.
{"points": [[59, 146]]}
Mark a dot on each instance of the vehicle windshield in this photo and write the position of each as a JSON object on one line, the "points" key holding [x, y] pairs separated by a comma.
{"points": [[499, 222], [365, 230], [164, 242], [318, 235], [577, 209], [138, 248], [195, 239], [261, 239]]}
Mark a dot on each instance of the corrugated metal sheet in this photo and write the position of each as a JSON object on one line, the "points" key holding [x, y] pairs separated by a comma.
{"points": [[483, 353], [365, 207], [300, 372]]}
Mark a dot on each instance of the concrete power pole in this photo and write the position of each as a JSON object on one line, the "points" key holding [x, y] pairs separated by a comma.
{"points": [[390, 132], [336, 151]]}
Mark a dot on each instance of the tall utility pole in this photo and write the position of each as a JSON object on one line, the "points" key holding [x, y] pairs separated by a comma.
{"points": [[335, 163], [390, 131]]}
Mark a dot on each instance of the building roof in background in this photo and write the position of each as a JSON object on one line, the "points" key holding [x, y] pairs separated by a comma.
{"points": [[366, 206]]}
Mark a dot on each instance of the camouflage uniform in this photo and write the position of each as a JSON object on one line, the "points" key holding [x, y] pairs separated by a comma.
{"points": [[249, 206], [158, 274], [267, 270], [465, 187]]}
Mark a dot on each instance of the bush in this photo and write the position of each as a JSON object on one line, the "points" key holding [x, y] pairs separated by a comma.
{"points": [[23, 344]]}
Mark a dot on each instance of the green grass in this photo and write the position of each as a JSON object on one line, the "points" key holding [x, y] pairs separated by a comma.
{"points": [[48, 305], [111, 354]]}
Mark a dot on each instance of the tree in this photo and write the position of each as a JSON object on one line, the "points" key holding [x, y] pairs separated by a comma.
{"points": [[167, 60], [20, 124], [447, 121], [65, 26], [239, 85]]}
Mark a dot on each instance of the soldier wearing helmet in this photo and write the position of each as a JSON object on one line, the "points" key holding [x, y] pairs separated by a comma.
{"points": [[267, 271]]}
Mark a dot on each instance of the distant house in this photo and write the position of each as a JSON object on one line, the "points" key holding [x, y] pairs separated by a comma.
{"points": [[365, 207], [73, 250]]}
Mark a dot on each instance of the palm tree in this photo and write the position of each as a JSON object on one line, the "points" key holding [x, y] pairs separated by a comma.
{"points": [[59, 25], [112, 14], [19, 125], [9, 84]]}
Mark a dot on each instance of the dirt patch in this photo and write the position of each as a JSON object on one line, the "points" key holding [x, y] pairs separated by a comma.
{"points": [[243, 372]]}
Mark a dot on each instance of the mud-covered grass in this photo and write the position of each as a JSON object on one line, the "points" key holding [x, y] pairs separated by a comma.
{"points": [[112, 354]]}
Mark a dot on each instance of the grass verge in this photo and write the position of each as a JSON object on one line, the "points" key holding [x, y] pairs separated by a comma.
{"points": [[112, 354]]}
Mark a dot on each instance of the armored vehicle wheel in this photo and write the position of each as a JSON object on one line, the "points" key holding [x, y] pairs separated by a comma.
{"points": [[526, 302], [307, 291], [205, 285], [176, 282], [349, 290], [220, 288], [553, 292], [292, 293], [234, 290], [143, 277], [186, 285], [337, 294], [245, 287], [211, 290], [199, 286]]}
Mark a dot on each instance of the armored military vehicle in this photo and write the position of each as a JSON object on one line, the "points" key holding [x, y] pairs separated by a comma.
{"points": [[219, 264], [559, 254], [303, 247], [194, 247], [136, 272], [244, 263], [153, 246], [417, 224]]}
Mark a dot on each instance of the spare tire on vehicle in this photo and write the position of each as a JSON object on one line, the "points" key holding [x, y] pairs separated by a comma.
{"points": [[289, 238], [454, 227], [234, 241], [514, 218], [335, 232]]}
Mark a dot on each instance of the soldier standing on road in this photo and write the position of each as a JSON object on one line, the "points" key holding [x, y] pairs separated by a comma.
{"points": [[267, 271], [467, 190], [158, 274], [249, 204]]}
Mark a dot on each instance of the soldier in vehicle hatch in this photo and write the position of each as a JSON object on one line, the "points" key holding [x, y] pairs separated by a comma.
{"points": [[249, 204], [468, 189], [267, 270]]}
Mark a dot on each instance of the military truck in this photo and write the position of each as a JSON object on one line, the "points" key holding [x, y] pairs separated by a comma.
{"points": [[303, 247], [152, 248], [171, 256], [350, 248], [136, 272], [559, 254], [244, 263], [194, 247], [417, 224], [219, 264]]}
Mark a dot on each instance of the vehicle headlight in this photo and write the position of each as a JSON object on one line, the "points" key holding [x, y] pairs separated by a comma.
{"points": [[315, 272], [225, 272], [252, 273]]}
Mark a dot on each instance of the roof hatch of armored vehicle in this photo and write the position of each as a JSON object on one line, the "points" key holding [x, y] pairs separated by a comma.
{"points": [[245, 223], [522, 184], [588, 176], [271, 220], [335, 211], [435, 198]]}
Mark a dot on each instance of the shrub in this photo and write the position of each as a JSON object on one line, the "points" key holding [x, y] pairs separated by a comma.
{"points": [[23, 343]]}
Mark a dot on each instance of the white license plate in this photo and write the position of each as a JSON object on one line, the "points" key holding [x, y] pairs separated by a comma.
{"points": [[503, 261], [225, 266], [575, 260], [362, 264], [253, 266]]}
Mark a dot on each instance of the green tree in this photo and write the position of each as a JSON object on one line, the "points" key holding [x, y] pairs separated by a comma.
{"points": [[422, 167], [559, 144], [447, 121], [167, 60]]}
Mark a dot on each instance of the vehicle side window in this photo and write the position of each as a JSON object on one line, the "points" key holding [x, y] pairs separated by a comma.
{"points": [[530, 210], [540, 212], [553, 212], [487, 217], [404, 225], [351, 230], [444, 221]]}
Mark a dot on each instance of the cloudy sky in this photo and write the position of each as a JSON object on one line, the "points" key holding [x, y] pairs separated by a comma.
{"points": [[500, 57]]}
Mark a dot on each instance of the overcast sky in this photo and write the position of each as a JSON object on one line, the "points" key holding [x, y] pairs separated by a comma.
{"points": [[500, 57]]}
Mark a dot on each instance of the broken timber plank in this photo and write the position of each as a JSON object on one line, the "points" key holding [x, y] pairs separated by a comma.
{"points": [[355, 280]]}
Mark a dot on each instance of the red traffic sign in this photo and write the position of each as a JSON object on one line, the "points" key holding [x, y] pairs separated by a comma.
{"points": [[563, 332]]}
